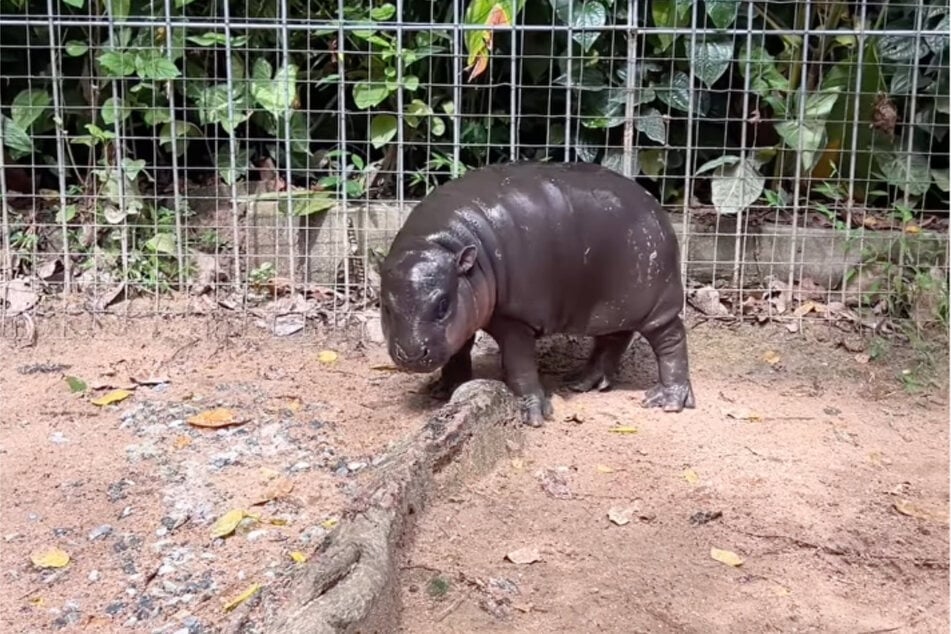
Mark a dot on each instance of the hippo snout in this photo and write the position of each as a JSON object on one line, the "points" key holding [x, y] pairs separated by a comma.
{"points": [[412, 357]]}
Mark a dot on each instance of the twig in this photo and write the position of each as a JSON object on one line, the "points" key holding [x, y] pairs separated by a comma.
{"points": [[452, 608]]}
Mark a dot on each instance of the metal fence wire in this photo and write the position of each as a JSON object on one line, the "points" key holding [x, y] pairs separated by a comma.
{"points": [[191, 157]]}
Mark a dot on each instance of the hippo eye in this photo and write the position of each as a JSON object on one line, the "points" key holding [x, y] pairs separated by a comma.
{"points": [[442, 308]]}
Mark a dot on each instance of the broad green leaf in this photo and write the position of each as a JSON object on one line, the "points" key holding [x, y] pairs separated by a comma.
{"points": [[16, 138], [276, 95], [720, 161], [383, 12], [711, 58], [676, 93], [722, 12], [383, 128], [806, 138], [183, 130], [133, 167], [227, 172], [369, 94], [78, 4], [651, 124], [670, 13], [590, 15], [118, 9], [820, 104], [912, 173], [66, 214], [735, 185], [114, 111], [761, 68], [75, 48], [163, 243], [416, 109], [942, 178], [583, 78], [901, 48], [117, 64], [153, 65], [603, 109], [653, 161], [28, 106]]}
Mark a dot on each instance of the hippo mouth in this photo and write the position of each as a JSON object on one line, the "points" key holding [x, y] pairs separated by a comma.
{"points": [[420, 360]]}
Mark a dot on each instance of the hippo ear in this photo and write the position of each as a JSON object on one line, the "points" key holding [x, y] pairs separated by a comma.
{"points": [[466, 259]]}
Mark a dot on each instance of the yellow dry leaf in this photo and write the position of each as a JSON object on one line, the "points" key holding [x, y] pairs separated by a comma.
{"points": [[780, 590], [218, 417], [906, 507], [112, 397], [327, 356], [727, 557], [267, 473], [226, 524], [691, 476], [279, 488], [912, 229], [241, 598], [603, 468], [298, 557], [623, 429], [38, 601], [329, 523], [771, 357], [50, 558], [805, 308], [384, 367], [274, 521], [181, 442]]}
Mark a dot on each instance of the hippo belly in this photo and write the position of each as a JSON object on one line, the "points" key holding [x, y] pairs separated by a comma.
{"points": [[531, 249]]}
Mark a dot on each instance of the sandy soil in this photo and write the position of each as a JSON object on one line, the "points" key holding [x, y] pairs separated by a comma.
{"points": [[822, 472]]}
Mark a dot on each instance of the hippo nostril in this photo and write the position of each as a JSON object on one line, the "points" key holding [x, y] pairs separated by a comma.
{"points": [[401, 354]]}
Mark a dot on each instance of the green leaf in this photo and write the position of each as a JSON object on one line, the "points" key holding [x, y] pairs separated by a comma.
{"points": [[133, 167], [722, 12], [583, 78], [670, 13], [937, 39], [760, 66], [75, 384], [114, 111], [227, 172], [653, 161], [820, 104], [901, 48], [212, 102], [119, 9], [590, 15], [66, 214], [75, 48], [603, 109], [163, 243], [942, 178], [437, 126], [153, 65], [277, 95], [28, 106], [735, 184], [676, 93], [117, 64], [911, 173], [711, 58], [651, 124], [806, 138], [77, 4], [183, 130], [370, 94], [16, 138], [383, 12], [383, 127]]}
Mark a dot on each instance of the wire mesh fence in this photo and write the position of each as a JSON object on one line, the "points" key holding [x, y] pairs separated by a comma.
{"points": [[188, 157]]}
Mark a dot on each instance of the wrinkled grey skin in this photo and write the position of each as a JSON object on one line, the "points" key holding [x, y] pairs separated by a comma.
{"points": [[530, 249]]}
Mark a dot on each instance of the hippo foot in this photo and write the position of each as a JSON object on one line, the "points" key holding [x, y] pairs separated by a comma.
{"points": [[535, 410], [672, 398], [586, 380]]}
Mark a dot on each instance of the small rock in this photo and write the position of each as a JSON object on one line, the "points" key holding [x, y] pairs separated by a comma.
{"points": [[126, 512], [356, 465], [166, 569], [115, 608], [94, 576], [100, 532], [57, 438], [342, 471], [300, 466], [256, 535], [704, 517], [161, 531]]}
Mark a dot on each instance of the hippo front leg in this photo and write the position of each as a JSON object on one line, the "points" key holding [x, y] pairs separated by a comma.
{"points": [[457, 371], [673, 393], [517, 347]]}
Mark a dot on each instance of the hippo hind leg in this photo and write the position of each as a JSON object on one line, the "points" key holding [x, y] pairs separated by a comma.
{"points": [[673, 393], [602, 365], [457, 371]]}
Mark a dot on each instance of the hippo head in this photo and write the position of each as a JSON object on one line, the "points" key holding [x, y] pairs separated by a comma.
{"points": [[427, 305]]}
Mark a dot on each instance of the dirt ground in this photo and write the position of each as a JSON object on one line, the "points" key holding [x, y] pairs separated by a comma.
{"points": [[822, 470]]}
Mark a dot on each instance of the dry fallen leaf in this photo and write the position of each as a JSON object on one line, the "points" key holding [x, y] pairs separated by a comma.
{"points": [[218, 417], [743, 414], [526, 555], [620, 516], [50, 558], [241, 598], [771, 357], [298, 557], [603, 468], [912, 229], [909, 508], [327, 356], [278, 489], [181, 442], [727, 557], [112, 397], [150, 380], [805, 308], [329, 523], [518, 464], [623, 429], [384, 367], [691, 476], [227, 523]]}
